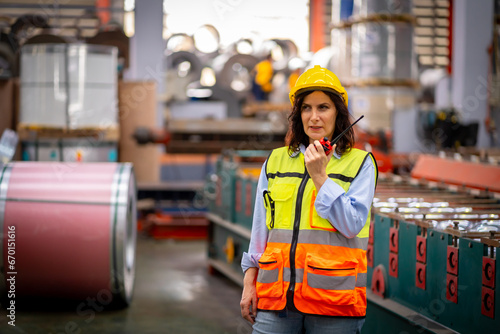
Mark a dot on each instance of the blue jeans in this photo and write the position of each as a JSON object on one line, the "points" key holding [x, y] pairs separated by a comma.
{"points": [[288, 322]]}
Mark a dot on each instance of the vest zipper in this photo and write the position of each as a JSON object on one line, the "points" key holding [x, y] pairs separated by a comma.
{"points": [[295, 237]]}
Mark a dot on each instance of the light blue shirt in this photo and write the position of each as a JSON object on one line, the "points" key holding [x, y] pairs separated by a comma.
{"points": [[348, 211]]}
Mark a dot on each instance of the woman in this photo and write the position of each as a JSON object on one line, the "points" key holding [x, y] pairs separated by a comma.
{"points": [[306, 267]]}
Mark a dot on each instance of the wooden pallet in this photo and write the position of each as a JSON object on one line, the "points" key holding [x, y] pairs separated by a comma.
{"points": [[377, 18], [381, 82], [28, 132]]}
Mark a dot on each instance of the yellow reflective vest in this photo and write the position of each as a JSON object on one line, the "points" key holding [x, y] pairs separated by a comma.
{"points": [[307, 264]]}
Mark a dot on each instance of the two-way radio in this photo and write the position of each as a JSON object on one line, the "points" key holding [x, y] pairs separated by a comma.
{"points": [[327, 145]]}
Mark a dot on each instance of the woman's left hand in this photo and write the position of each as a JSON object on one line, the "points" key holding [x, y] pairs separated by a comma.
{"points": [[316, 161]]}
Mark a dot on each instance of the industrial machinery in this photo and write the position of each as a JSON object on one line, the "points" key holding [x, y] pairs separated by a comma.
{"points": [[231, 196], [434, 240], [432, 249]]}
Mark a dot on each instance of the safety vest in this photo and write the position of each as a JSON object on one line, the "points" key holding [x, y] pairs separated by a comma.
{"points": [[307, 264]]}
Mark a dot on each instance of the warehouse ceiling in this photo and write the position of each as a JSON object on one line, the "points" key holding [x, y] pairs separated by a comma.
{"points": [[78, 19]]}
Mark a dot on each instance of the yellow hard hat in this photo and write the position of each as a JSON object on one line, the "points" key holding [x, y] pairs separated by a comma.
{"points": [[318, 78]]}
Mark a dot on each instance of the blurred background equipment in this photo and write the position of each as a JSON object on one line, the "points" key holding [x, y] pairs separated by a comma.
{"points": [[8, 144], [68, 85]]}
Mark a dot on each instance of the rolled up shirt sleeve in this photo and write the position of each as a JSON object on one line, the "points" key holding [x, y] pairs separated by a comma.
{"points": [[260, 232], [347, 212]]}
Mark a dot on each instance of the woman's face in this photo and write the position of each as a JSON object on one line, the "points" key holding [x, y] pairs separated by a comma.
{"points": [[318, 115]]}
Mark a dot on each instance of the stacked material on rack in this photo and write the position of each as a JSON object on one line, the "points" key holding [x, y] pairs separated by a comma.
{"points": [[374, 56], [68, 108], [434, 240]]}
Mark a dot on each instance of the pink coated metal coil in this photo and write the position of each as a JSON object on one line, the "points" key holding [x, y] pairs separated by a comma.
{"points": [[75, 229]]}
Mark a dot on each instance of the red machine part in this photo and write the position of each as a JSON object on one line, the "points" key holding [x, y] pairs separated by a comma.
{"points": [[393, 264], [452, 288], [489, 272], [420, 275], [488, 302], [384, 160], [452, 260], [145, 135], [371, 234], [369, 255], [176, 226], [421, 267], [369, 249], [421, 249], [377, 144], [393, 239], [393, 249], [379, 279], [479, 176]]}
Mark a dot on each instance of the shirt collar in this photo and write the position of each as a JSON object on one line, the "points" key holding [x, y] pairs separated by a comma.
{"points": [[303, 150]]}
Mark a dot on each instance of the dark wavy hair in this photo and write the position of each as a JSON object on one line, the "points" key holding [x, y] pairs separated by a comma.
{"points": [[296, 135]]}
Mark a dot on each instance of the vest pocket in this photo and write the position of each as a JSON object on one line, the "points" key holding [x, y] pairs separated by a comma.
{"points": [[330, 280], [270, 277], [279, 204], [315, 221]]}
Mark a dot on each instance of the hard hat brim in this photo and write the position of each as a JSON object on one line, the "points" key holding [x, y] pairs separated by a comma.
{"points": [[319, 88]]}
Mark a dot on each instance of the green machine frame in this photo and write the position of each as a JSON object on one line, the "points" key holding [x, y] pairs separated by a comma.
{"points": [[452, 288]]}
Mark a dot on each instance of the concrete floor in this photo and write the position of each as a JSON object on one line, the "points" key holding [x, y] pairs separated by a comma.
{"points": [[174, 293]]}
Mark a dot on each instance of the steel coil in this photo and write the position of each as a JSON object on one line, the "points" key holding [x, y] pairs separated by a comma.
{"points": [[233, 72], [206, 41], [70, 229], [282, 50], [192, 72], [179, 42], [243, 46]]}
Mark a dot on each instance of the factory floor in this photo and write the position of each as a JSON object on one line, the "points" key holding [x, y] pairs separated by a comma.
{"points": [[174, 293]]}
